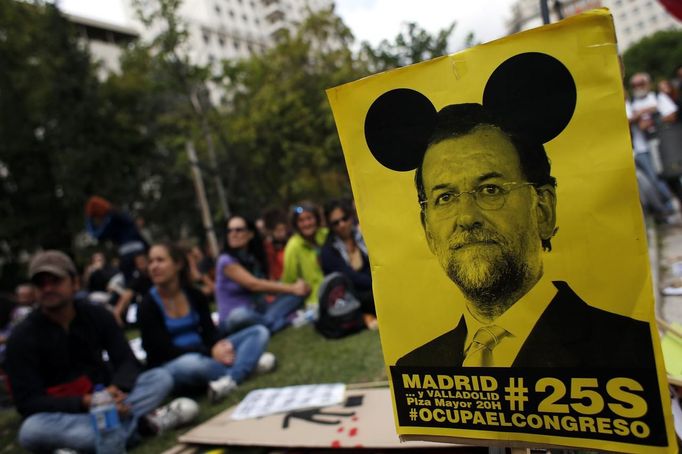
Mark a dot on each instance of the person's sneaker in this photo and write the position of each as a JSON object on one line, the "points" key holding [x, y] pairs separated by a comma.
{"points": [[220, 388], [266, 363], [672, 291], [173, 415]]}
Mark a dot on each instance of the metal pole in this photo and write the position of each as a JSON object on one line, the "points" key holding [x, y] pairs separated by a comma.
{"points": [[544, 10], [201, 197]]}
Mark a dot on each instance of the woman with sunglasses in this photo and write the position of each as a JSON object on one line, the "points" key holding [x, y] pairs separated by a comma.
{"points": [[178, 333], [345, 252], [241, 283]]}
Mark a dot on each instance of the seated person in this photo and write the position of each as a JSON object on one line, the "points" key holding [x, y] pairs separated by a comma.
{"points": [[345, 252], [277, 228], [54, 360], [302, 252], [179, 336], [240, 283], [200, 271]]}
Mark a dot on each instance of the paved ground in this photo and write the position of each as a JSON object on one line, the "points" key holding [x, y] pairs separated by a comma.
{"points": [[665, 249]]}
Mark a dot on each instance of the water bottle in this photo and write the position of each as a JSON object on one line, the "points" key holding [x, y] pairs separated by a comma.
{"points": [[109, 435]]}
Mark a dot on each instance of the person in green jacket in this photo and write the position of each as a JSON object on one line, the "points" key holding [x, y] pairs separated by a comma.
{"points": [[302, 252]]}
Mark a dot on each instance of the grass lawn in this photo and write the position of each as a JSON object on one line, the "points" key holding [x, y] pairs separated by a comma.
{"points": [[303, 357]]}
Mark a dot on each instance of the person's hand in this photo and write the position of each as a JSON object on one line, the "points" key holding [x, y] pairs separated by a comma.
{"points": [[300, 288], [223, 352], [119, 397]]}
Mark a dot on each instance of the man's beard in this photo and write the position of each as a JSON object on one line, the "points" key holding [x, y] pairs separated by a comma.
{"points": [[490, 278]]}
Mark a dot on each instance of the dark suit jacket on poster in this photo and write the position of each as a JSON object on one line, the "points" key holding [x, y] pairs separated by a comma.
{"points": [[570, 333]]}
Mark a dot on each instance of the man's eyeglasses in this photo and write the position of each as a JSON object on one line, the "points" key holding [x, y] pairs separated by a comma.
{"points": [[488, 197], [336, 222], [237, 229]]}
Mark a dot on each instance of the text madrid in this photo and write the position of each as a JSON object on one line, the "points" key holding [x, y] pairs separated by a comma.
{"points": [[549, 422]]}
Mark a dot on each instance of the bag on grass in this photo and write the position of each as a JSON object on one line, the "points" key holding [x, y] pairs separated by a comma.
{"points": [[340, 313]]}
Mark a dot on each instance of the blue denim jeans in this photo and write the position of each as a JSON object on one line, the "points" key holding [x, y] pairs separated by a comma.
{"points": [[275, 318], [46, 432], [195, 369]]}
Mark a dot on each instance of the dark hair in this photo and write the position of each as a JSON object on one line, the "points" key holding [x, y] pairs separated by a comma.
{"points": [[179, 255], [253, 257], [344, 205], [274, 216], [300, 209], [461, 119]]}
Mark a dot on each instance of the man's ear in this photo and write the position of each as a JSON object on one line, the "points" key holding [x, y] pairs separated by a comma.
{"points": [[546, 211]]}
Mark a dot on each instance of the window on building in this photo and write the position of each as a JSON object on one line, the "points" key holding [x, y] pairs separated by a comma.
{"points": [[244, 18], [640, 24], [231, 13], [257, 21], [206, 37], [221, 40], [217, 9], [653, 19], [627, 30], [619, 2], [236, 45]]}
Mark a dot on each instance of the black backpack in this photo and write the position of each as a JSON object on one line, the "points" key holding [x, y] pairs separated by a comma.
{"points": [[340, 312]]}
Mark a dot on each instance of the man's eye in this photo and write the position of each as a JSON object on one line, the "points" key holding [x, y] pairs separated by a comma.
{"points": [[490, 190], [444, 198]]}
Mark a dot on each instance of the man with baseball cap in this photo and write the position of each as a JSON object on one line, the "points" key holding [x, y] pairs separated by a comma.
{"points": [[55, 357]]}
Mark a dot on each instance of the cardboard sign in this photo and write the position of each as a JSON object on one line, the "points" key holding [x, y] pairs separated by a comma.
{"points": [[496, 192], [362, 421]]}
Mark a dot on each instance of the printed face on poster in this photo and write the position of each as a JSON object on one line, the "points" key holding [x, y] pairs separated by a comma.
{"points": [[495, 188]]}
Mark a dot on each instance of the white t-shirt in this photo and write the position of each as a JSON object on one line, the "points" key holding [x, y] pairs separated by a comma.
{"points": [[663, 104]]}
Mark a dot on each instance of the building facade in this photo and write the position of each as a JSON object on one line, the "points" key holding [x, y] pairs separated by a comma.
{"points": [[232, 29], [633, 19]]}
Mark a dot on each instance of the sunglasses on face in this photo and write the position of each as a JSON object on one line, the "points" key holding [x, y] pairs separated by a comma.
{"points": [[336, 222], [236, 229]]}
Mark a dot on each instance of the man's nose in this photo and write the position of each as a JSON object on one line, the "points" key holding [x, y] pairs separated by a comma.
{"points": [[469, 214]]}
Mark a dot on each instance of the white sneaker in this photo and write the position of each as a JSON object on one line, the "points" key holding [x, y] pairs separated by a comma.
{"points": [[266, 363], [180, 411], [672, 291], [220, 388]]}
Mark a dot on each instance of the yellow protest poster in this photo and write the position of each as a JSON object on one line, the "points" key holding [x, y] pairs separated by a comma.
{"points": [[496, 191]]}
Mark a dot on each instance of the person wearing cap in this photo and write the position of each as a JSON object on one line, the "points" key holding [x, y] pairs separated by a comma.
{"points": [[302, 252], [55, 358], [488, 210], [104, 223]]}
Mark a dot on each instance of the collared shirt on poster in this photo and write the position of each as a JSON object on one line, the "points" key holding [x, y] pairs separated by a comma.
{"points": [[518, 321]]}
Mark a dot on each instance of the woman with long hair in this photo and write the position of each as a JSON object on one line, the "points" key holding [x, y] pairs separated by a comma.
{"points": [[178, 333], [345, 252], [302, 252], [241, 283]]}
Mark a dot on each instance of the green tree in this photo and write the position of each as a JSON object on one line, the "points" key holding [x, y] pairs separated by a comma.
{"points": [[283, 141], [411, 45], [60, 139], [658, 54]]}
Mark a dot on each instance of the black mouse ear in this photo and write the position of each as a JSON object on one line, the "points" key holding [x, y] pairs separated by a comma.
{"points": [[397, 128], [532, 93]]}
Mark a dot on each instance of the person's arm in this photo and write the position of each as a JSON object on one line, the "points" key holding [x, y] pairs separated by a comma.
{"points": [[208, 332], [22, 365], [332, 262], [241, 276], [667, 108], [122, 304], [125, 367], [290, 270]]}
